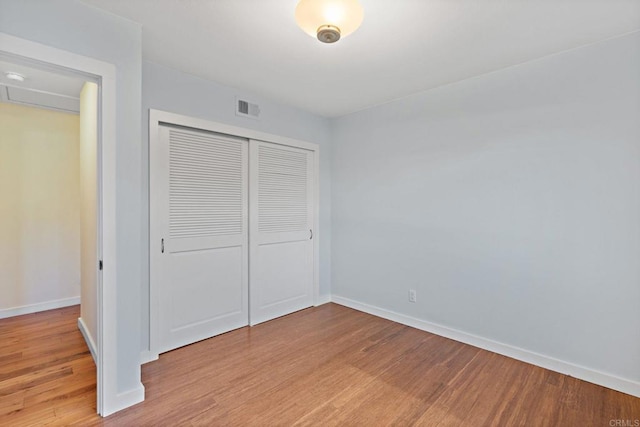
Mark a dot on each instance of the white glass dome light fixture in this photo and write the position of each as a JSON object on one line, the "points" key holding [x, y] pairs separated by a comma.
{"points": [[329, 20]]}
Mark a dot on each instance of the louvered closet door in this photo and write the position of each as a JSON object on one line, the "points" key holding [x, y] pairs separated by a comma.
{"points": [[203, 289], [281, 218]]}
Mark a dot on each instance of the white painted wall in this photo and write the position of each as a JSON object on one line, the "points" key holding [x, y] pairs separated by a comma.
{"points": [[84, 30], [88, 207], [176, 92], [39, 210], [509, 201]]}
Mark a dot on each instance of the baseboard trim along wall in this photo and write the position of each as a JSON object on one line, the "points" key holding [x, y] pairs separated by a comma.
{"points": [[146, 356], [323, 299], [576, 371], [88, 339], [34, 308], [125, 399]]}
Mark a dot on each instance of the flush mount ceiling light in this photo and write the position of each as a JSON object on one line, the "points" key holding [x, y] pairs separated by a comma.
{"points": [[329, 20], [14, 76]]}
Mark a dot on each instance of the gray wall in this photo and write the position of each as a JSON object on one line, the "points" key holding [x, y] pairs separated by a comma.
{"points": [[75, 27], [509, 201], [176, 92]]}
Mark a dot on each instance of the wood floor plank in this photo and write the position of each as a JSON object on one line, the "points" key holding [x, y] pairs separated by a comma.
{"points": [[328, 366]]}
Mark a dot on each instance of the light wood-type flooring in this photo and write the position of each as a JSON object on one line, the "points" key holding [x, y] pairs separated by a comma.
{"points": [[325, 366]]}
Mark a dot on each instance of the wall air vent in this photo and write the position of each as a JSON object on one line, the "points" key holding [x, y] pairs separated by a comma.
{"points": [[247, 109]]}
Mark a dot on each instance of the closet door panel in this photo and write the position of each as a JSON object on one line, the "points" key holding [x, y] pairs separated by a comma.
{"points": [[281, 230], [203, 260]]}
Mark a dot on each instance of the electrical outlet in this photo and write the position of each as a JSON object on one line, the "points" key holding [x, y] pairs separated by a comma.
{"points": [[412, 295]]}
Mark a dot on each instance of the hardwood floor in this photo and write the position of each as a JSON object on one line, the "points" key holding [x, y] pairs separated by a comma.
{"points": [[326, 366], [46, 370]]}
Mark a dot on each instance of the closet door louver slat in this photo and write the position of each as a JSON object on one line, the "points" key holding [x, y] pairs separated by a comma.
{"points": [[205, 185], [282, 190]]}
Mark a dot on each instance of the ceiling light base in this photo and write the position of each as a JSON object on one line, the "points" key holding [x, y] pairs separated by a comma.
{"points": [[328, 33]]}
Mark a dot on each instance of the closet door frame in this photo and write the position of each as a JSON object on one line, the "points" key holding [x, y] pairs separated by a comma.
{"points": [[157, 118]]}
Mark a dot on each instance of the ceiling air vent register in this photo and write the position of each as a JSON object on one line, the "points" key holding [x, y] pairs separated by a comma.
{"points": [[247, 109]]}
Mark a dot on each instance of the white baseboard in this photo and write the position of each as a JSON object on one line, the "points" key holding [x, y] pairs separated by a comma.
{"points": [[88, 339], [323, 299], [34, 308], [556, 365], [124, 400], [147, 356]]}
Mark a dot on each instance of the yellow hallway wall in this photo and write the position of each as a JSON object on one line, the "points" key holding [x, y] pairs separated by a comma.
{"points": [[88, 207], [39, 207]]}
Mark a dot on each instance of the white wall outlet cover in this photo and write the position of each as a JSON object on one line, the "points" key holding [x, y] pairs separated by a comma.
{"points": [[412, 295]]}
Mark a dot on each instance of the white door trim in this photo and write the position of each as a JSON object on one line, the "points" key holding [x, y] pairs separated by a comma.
{"points": [[157, 117], [107, 388]]}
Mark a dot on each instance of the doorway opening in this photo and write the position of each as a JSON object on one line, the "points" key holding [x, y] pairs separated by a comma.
{"points": [[20, 52], [50, 226]]}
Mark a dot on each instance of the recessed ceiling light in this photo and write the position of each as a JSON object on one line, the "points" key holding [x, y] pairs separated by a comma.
{"points": [[14, 76]]}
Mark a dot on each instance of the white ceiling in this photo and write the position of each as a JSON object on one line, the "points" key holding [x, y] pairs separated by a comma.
{"points": [[403, 46], [41, 80], [41, 88]]}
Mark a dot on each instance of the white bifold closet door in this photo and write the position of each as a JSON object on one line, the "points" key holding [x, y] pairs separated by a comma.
{"points": [[281, 192], [201, 193]]}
